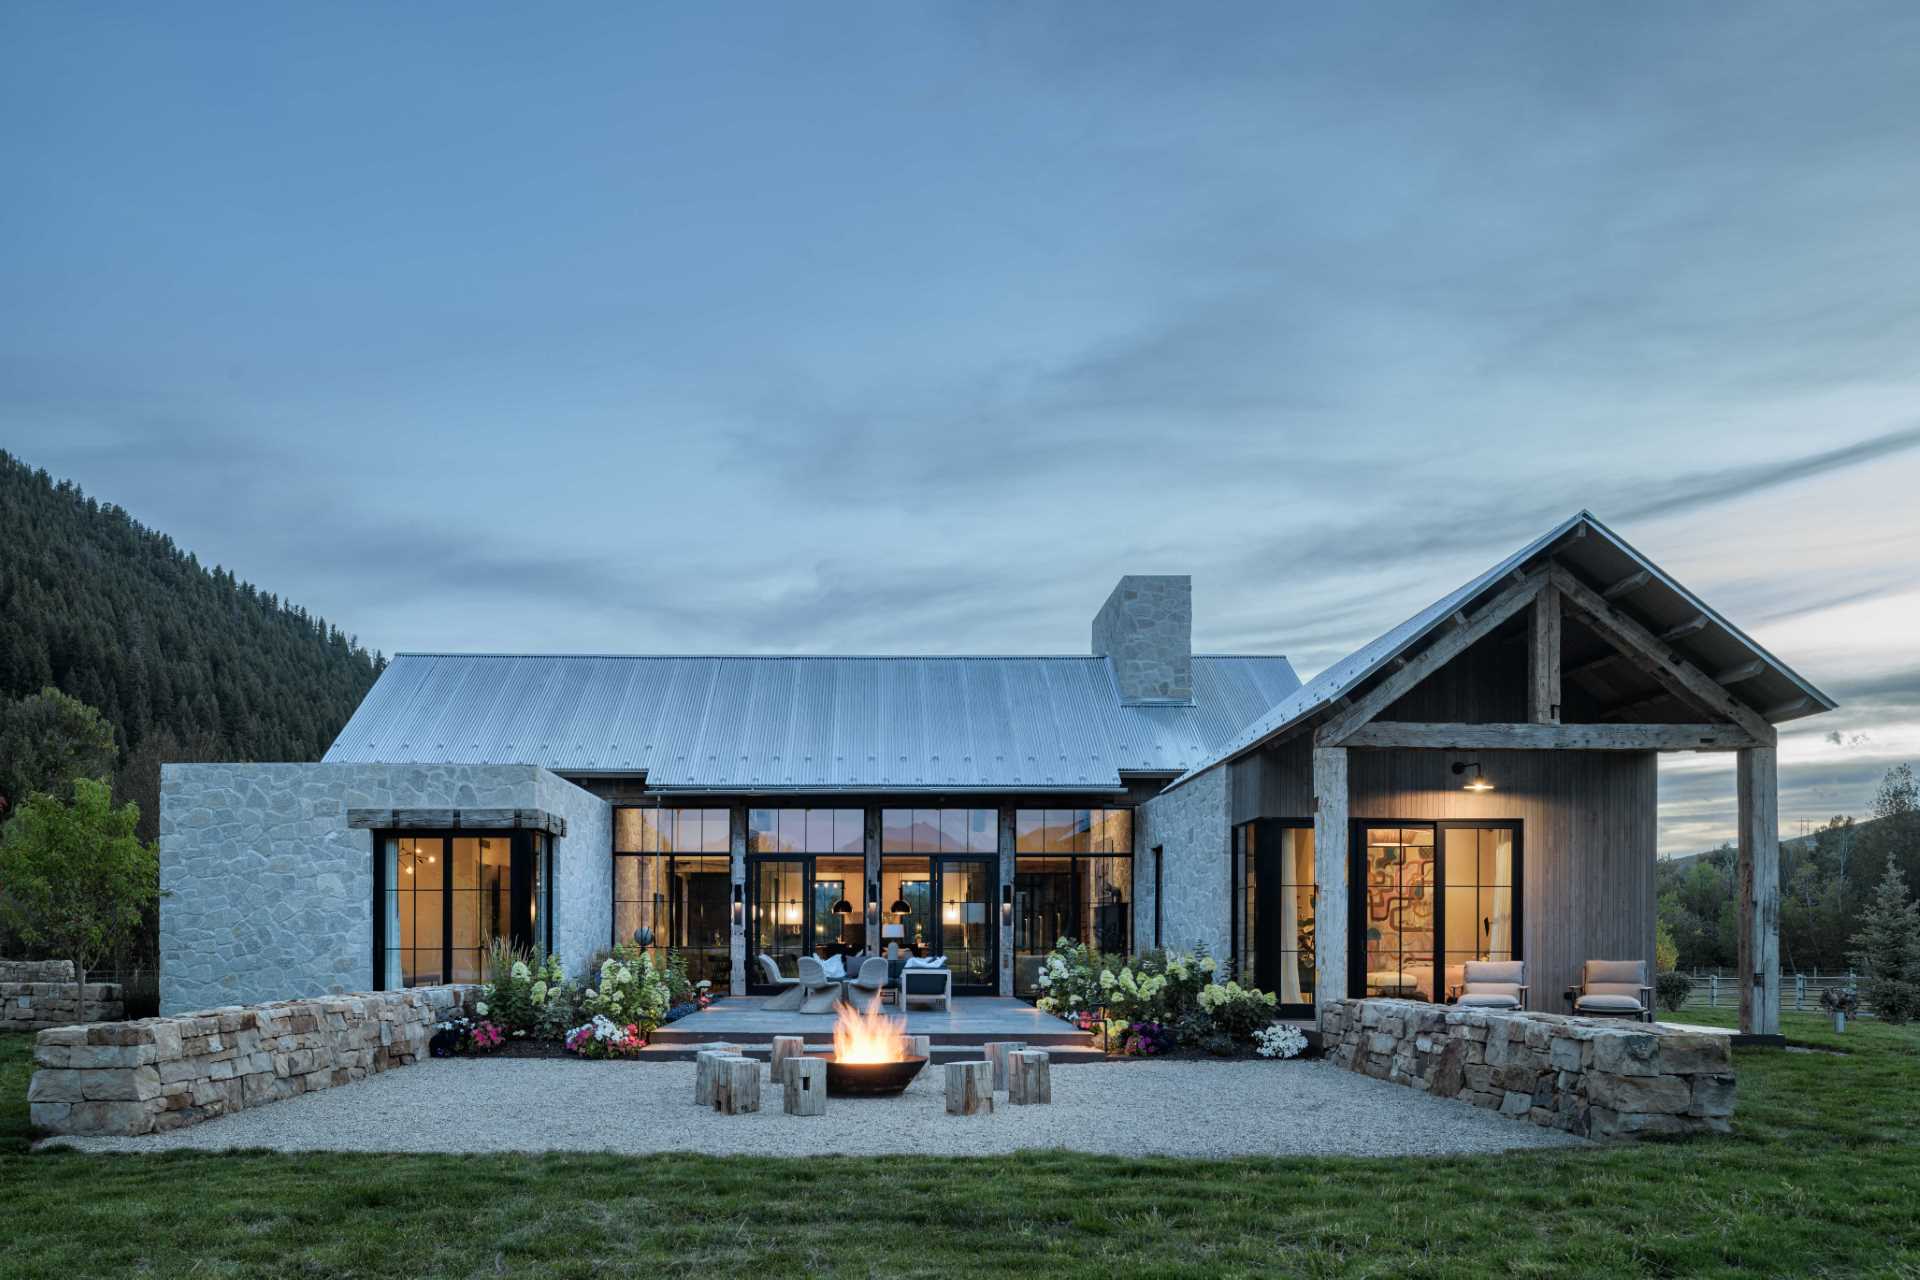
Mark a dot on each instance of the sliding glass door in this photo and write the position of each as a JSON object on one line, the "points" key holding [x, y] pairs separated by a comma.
{"points": [[1428, 897]]}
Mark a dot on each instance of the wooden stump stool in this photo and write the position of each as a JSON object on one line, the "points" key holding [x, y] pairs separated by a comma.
{"points": [[1029, 1078], [704, 1068], [785, 1047], [970, 1088], [736, 1086], [805, 1084], [917, 1046], [997, 1051]]}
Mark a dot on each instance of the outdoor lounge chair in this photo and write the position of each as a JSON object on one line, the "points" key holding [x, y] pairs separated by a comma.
{"points": [[928, 984], [790, 995], [1493, 984], [820, 993], [1613, 989], [871, 981]]}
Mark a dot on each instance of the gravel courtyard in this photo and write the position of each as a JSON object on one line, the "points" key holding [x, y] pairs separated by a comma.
{"points": [[1123, 1108]]}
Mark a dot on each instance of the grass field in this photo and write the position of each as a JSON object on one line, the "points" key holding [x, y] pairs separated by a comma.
{"points": [[1821, 1178]]}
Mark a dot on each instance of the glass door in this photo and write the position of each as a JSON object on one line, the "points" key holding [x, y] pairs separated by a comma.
{"points": [[779, 923], [967, 929], [1396, 905], [1430, 897], [1279, 902]]}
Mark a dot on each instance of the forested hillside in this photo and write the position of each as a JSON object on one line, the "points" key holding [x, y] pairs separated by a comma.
{"points": [[186, 662]]}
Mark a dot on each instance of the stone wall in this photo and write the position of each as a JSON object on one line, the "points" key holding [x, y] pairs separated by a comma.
{"points": [[126, 1078], [1146, 630], [1602, 1078], [269, 893], [1190, 824], [39, 993]]}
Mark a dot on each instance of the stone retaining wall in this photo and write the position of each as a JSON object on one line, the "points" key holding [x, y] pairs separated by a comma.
{"points": [[39, 993], [124, 1078], [1593, 1076]]}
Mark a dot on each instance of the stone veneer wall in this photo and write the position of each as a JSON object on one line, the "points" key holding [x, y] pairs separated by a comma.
{"points": [[1602, 1078], [269, 893], [1145, 629], [126, 1078], [1191, 825], [39, 993]]}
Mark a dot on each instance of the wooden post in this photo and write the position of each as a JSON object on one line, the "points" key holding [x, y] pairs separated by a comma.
{"points": [[804, 1087], [1029, 1078], [1759, 790], [1330, 875], [997, 1051], [785, 1047], [1543, 699], [736, 1086], [970, 1088], [705, 1061]]}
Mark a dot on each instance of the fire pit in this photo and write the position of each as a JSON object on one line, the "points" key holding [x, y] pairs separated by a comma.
{"points": [[870, 1054], [870, 1079]]}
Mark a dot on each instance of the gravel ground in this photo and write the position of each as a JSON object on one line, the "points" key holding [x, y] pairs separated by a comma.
{"points": [[1126, 1108]]}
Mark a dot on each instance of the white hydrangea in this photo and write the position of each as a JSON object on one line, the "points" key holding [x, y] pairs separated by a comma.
{"points": [[1280, 1040]]}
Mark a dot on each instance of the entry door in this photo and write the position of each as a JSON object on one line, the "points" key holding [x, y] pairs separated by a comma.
{"points": [[1426, 898], [967, 931], [782, 918]]}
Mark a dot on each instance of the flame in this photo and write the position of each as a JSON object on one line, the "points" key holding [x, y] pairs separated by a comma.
{"points": [[869, 1035]]}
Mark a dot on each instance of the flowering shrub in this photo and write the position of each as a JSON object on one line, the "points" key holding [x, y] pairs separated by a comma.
{"points": [[1143, 1039], [529, 995], [605, 1038], [1235, 1010], [1279, 1040], [1155, 986], [470, 1035], [630, 991]]}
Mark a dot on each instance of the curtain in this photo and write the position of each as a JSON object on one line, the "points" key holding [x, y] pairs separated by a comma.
{"points": [[394, 979], [1290, 919], [1500, 943]]}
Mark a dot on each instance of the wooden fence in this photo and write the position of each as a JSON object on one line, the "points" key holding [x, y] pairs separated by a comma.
{"points": [[1717, 988]]}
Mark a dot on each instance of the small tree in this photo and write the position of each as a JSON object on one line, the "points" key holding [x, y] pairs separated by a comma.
{"points": [[1888, 949], [73, 876], [1666, 952], [46, 740]]}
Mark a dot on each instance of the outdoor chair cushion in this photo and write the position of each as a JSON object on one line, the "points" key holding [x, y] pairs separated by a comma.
{"points": [[1622, 973], [1477, 973], [926, 962], [1604, 1003], [1489, 1000], [836, 968]]}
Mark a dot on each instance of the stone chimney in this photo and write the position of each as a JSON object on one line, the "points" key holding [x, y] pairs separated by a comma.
{"points": [[1146, 628]]}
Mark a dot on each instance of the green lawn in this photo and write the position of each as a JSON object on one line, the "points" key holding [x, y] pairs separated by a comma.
{"points": [[1821, 1178]]}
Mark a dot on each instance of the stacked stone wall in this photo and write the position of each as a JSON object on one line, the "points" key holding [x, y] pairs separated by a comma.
{"points": [[40, 993], [1592, 1076], [125, 1078]]}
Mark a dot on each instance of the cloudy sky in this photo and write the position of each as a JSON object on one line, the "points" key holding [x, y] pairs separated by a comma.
{"points": [[908, 327]]}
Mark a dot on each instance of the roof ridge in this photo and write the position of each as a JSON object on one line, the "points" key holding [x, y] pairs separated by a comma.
{"points": [[811, 657]]}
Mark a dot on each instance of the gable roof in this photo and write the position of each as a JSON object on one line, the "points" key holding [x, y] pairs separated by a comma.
{"points": [[1600, 557], [798, 723]]}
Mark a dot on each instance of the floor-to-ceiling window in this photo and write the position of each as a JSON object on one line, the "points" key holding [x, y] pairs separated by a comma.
{"points": [[443, 900], [672, 884], [939, 880], [806, 878], [1274, 904], [1073, 878], [1432, 896]]}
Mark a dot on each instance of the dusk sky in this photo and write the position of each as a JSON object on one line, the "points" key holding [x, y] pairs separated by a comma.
{"points": [[907, 328]]}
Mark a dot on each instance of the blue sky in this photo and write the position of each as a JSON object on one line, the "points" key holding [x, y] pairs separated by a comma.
{"points": [[907, 328]]}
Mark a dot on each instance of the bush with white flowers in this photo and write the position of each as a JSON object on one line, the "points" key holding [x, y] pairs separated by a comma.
{"points": [[630, 991], [1279, 1040]]}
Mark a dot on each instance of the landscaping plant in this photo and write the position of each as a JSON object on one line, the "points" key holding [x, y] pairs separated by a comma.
{"points": [[1888, 949], [528, 995], [1671, 990], [1237, 1012], [630, 991], [1280, 1040], [605, 1038]]}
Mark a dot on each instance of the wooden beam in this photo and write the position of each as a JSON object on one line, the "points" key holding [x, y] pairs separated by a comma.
{"points": [[1330, 876], [1634, 710], [1782, 710], [1550, 737], [1696, 623], [1436, 655], [1745, 671], [1646, 652], [1757, 778], [1591, 665], [1627, 585], [1543, 666]]}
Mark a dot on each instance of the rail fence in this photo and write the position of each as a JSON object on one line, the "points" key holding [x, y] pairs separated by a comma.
{"points": [[1799, 991]]}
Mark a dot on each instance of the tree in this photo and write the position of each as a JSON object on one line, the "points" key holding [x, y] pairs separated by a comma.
{"points": [[74, 879], [46, 741], [1888, 949], [1666, 952]]}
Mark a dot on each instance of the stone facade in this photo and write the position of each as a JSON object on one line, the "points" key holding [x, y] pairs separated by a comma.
{"points": [[1596, 1077], [1190, 824], [130, 1078], [39, 993], [269, 893], [1146, 630]]}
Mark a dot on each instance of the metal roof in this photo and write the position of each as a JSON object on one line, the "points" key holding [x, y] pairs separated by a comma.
{"points": [[804, 723], [1777, 692]]}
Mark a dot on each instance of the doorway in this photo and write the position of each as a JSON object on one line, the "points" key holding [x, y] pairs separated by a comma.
{"points": [[1428, 897]]}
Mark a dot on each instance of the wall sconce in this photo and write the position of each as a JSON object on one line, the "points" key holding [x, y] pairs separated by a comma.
{"points": [[1478, 781], [739, 909], [1006, 906], [873, 905]]}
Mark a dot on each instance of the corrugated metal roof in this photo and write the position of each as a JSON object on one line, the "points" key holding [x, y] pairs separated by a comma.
{"points": [[801, 723], [1778, 692]]}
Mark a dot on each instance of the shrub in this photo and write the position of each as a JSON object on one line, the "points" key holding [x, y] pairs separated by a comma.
{"points": [[1143, 1039], [1888, 950], [1672, 990], [528, 994], [630, 991], [1236, 1011], [472, 1035], [1280, 1040], [1840, 1000], [604, 1038]]}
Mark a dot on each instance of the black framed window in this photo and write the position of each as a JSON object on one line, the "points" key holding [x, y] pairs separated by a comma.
{"points": [[1073, 878], [806, 885], [442, 899], [943, 867], [1428, 897], [1274, 906], [673, 878]]}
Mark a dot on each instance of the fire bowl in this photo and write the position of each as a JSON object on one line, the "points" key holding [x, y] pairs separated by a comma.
{"points": [[868, 1079]]}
